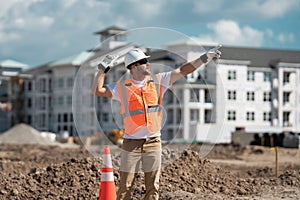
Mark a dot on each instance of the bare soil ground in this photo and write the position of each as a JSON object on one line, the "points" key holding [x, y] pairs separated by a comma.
{"points": [[31, 171]]}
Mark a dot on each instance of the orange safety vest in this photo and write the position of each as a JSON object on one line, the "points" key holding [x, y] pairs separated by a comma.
{"points": [[140, 107]]}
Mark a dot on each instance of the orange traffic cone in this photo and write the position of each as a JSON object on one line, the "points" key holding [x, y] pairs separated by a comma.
{"points": [[107, 185]]}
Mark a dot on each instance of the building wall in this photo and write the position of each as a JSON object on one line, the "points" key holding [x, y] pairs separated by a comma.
{"points": [[4, 97], [229, 94]]}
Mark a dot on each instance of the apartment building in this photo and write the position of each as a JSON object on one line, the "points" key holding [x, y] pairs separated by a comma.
{"points": [[9, 89], [248, 88]]}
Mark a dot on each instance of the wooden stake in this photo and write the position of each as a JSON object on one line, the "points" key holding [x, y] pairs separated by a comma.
{"points": [[276, 162]]}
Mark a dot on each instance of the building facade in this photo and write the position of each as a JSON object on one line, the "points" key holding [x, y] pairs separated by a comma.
{"points": [[253, 89], [10, 91]]}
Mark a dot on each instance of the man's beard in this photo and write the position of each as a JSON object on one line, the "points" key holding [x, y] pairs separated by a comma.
{"points": [[145, 72]]}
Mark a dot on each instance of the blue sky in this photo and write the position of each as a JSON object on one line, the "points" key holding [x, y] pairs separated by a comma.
{"points": [[38, 31]]}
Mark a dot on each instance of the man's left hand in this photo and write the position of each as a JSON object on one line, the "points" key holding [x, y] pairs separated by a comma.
{"points": [[211, 54]]}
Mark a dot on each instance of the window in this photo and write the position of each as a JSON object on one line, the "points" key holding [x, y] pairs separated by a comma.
{"points": [[69, 100], [71, 131], [170, 116], [231, 115], [29, 119], [267, 96], [169, 96], [59, 117], [231, 75], [250, 75], [194, 114], [207, 116], [250, 96], [29, 86], [170, 134], [60, 101], [70, 82], [29, 103], [286, 119], [43, 120], [43, 103], [105, 117], [65, 117], [178, 116], [60, 83], [267, 116], [267, 76], [231, 95], [286, 77], [194, 95], [179, 94], [43, 85], [250, 116], [105, 99], [286, 97], [207, 97]]}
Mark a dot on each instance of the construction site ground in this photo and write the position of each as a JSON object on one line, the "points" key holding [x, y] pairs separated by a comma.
{"points": [[33, 171]]}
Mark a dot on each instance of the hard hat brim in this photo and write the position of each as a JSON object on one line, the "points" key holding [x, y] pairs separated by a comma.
{"points": [[138, 60]]}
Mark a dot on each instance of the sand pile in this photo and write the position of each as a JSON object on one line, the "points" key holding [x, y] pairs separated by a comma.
{"points": [[24, 134]]}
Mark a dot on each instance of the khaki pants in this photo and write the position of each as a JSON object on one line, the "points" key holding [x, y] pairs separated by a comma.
{"points": [[146, 152]]}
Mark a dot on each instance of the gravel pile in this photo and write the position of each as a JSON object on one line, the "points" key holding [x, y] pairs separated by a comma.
{"points": [[24, 134]]}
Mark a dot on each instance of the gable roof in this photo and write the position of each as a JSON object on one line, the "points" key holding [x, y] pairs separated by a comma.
{"points": [[76, 59], [12, 64]]}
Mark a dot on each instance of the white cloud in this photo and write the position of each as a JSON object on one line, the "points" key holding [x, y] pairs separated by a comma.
{"points": [[275, 8], [269, 33], [147, 10], [237, 9], [67, 3], [45, 21], [6, 37], [19, 22], [62, 27], [209, 7], [5, 6], [229, 32], [266, 8], [286, 37]]}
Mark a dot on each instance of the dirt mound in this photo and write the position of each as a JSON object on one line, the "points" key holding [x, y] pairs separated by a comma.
{"points": [[194, 175], [75, 179], [47, 172]]}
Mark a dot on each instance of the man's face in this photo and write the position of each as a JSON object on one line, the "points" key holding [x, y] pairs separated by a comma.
{"points": [[143, 67]]}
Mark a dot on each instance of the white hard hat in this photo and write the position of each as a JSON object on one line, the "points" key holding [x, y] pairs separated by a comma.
{"points": [[134, 55]]}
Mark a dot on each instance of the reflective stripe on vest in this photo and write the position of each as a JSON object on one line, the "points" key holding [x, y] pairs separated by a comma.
{"points": [[141, 107]]}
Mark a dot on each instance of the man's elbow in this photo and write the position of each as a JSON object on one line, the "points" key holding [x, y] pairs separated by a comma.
{"points": [[98, 92], [103, 92]]}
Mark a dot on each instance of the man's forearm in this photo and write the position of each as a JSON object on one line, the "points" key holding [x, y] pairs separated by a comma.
{"points": [[99, 82], [189, 67]]}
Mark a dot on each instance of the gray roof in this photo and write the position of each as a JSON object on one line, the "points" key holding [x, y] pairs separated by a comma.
{"points": [[260, 57], [111, 30]]}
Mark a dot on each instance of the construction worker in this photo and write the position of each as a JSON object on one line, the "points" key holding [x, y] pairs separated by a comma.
{"points": [[141, 107]]}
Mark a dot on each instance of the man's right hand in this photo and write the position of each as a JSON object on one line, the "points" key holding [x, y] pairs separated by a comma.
{"points": [[107, 62]]}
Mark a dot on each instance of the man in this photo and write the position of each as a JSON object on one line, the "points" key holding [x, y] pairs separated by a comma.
{"points": [[141, 108]]}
